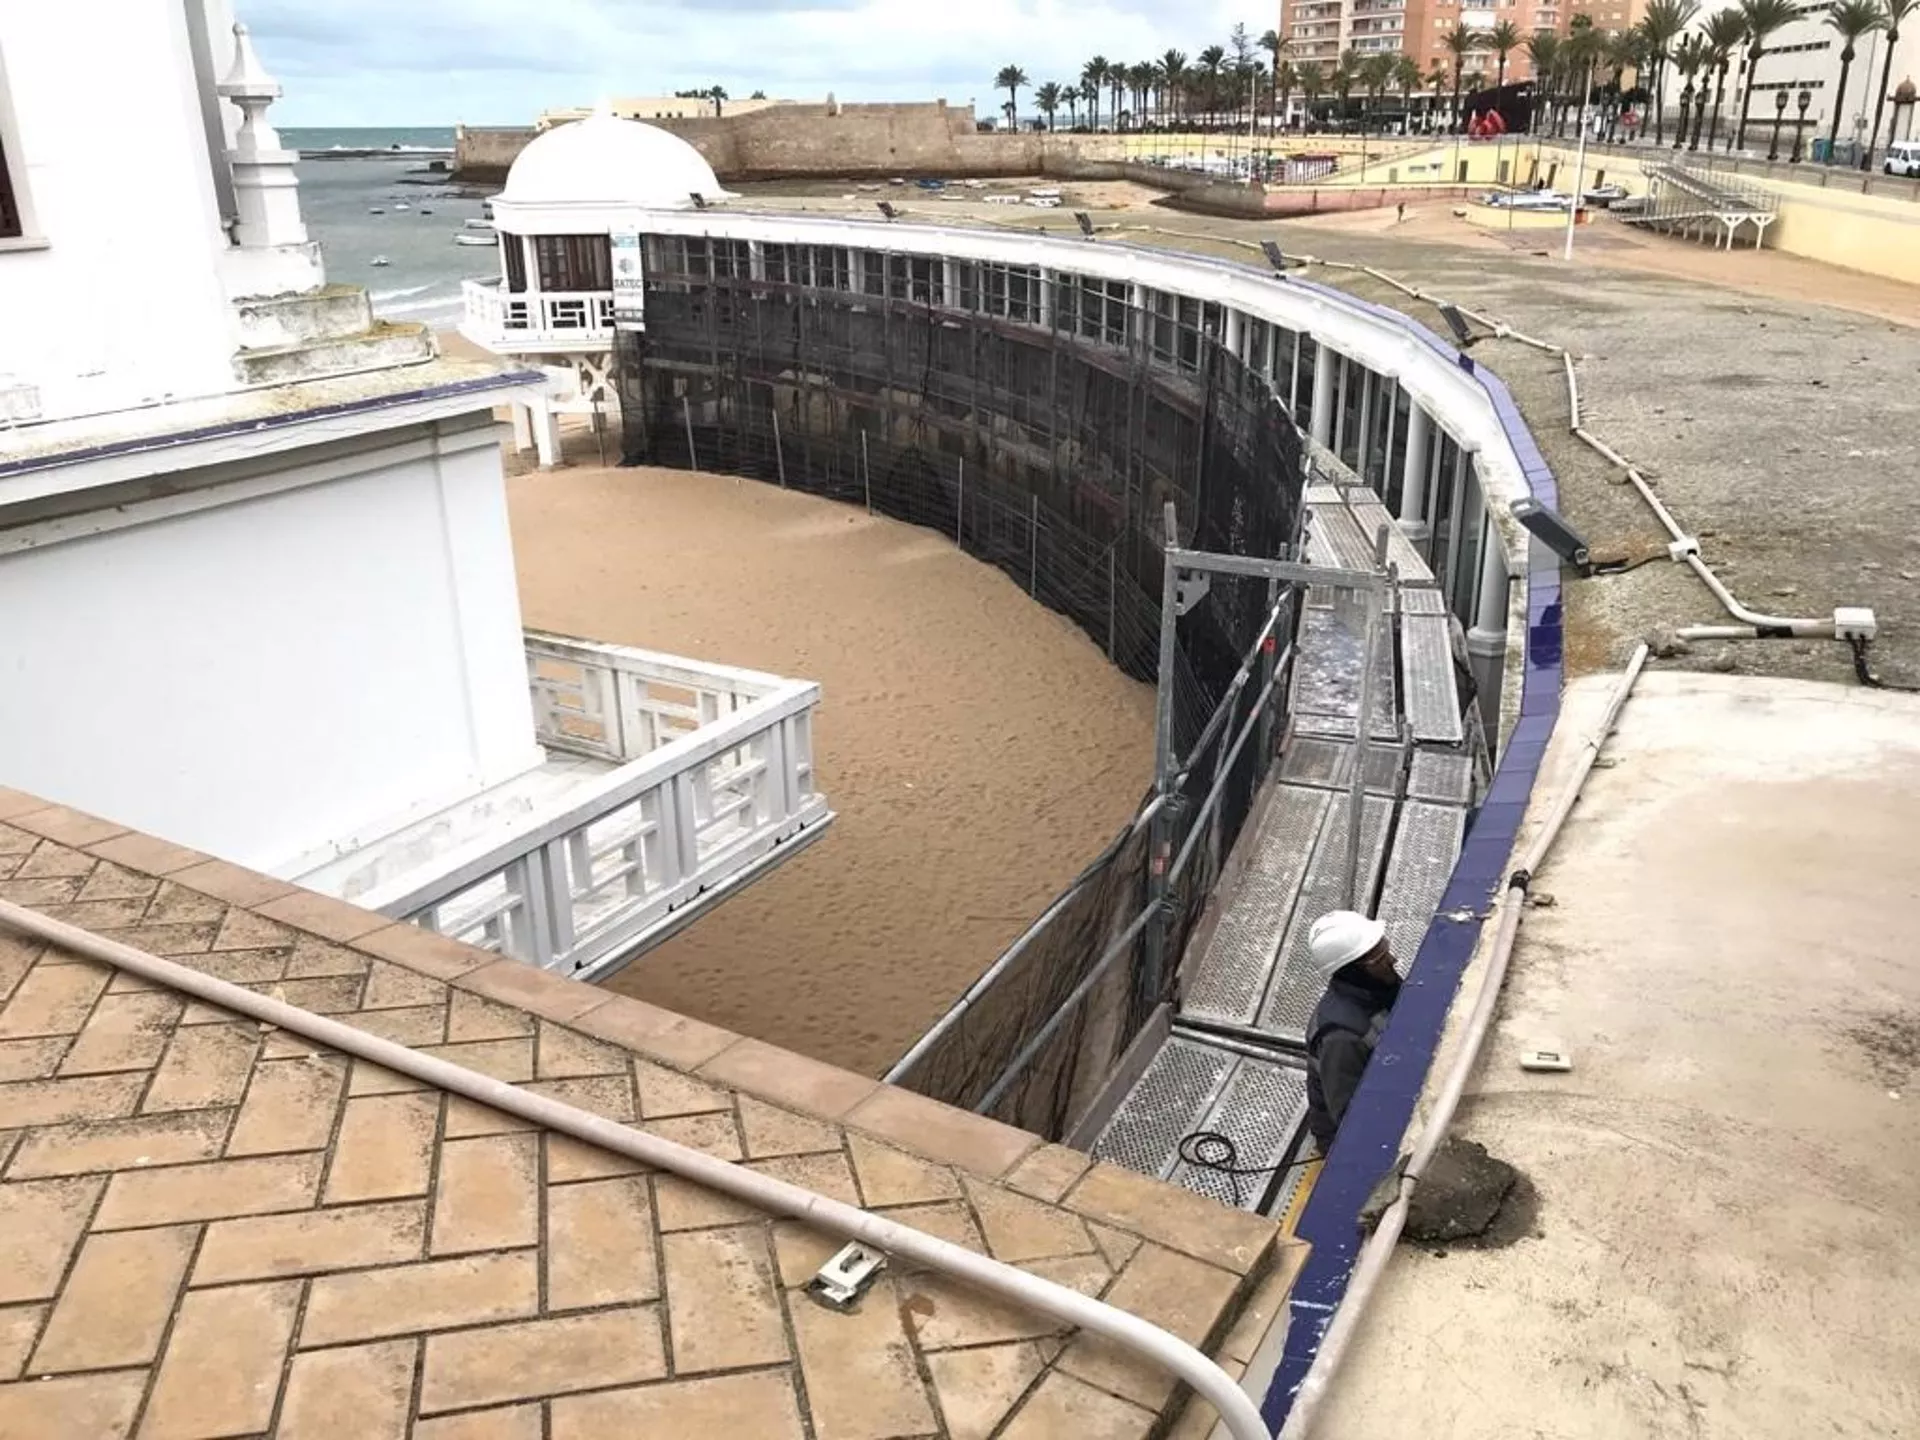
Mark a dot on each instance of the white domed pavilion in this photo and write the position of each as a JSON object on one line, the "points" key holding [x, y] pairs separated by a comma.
{"points": [[569, 192]]}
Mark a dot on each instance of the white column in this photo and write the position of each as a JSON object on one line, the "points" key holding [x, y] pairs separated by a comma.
{"points": [[1490, 613], [951, 270], [522, 429], [1321, 424], [1233, 332], [546, 432], [1413, 476]]}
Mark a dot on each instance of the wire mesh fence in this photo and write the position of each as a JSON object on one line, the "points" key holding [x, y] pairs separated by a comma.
{"points": [[1040, 421]]}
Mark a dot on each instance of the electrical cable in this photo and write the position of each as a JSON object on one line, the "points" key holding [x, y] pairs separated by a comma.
{"points": [[1865, 672], [1226, 1157], [1623, 566]]}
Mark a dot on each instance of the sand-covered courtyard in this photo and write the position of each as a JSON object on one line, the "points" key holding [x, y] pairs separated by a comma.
{"points": [[978, 748]]}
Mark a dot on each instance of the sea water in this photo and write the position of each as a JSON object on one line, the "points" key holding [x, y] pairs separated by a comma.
{"points": [[421, 282]]}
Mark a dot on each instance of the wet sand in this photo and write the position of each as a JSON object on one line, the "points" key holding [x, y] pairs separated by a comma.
{"points": [[977, 747]]}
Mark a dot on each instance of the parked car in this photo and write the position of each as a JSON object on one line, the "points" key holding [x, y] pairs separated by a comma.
{"points": [[1903, 158]]}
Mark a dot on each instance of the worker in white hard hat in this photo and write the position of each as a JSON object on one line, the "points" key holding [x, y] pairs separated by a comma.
{"points": [[1349, 951]]}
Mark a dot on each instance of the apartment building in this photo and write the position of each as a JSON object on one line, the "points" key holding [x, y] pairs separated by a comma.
{"points": [[1322, 30]]}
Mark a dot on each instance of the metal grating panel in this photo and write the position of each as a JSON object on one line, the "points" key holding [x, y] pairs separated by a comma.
{"points": [[1421, 600], [1334, 537], [1424, 851], [1260, 1110], [1326, 671], [1426, 658], [1443, 775], [1296, 989], [1400, 552], [1328, 764], [1232, 973], [1165, 1105]]}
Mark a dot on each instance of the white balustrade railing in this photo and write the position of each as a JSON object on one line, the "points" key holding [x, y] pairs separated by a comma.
{"points": [[504, 319], [713, 785]]}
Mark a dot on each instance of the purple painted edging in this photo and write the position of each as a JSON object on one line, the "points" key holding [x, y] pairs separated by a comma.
{"points": [[1371, 1133], [144, 443]]}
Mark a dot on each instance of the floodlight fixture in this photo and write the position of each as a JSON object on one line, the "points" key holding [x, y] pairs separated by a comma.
{"points": [[886, 208], [699, 200], [1275, 257], [1086, 223], [1463, 335]]}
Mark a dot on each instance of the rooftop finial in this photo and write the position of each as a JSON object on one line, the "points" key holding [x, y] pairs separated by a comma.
{"points": [[248, 79]]}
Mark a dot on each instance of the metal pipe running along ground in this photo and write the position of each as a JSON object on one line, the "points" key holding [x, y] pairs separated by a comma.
{"points": [[764, 1192], [1379, 1247]]}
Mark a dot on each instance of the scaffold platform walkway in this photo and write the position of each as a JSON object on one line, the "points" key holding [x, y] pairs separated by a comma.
{"points": [[1232, 1062], [1704, 205]]}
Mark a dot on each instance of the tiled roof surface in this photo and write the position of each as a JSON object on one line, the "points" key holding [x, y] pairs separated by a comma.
{"points": [[212, 1228]]}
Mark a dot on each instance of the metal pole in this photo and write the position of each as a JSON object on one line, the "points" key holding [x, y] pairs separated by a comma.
{"points": [[1033, 549], [1363, 731], [866, 472], [779, 452], [1110, 599], [1160, 840], [686, 413], [960, 501], [1579, 166]]}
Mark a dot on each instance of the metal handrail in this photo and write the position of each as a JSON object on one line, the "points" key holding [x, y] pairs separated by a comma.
{"points": [[1124, 941]]}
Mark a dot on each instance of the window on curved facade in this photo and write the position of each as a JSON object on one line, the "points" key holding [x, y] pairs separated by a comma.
{"points": [[1440, 503], [574, 262], [1472, 535]]}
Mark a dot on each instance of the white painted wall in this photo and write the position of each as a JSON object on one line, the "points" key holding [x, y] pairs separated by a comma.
{"points": [[117, 298], [273, 676]]}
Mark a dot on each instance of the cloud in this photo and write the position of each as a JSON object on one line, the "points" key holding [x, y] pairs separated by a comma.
{"points": [[388, 62]]}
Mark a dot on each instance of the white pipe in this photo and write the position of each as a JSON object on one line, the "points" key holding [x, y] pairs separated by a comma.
{"points": [[1379, 1247], [764, 1192]]}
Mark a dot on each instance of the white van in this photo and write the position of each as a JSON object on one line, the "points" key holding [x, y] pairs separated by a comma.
{"points": [[1903, 158]]}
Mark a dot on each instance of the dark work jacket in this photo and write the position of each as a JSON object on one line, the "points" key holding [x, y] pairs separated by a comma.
{"points": [[1346, 1026]]}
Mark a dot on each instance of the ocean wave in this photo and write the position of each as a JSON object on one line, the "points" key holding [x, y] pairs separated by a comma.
{"points": [[383, 297], [434, 307]]}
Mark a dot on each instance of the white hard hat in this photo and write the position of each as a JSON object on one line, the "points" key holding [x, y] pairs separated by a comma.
{"points": [[1340, 937]]}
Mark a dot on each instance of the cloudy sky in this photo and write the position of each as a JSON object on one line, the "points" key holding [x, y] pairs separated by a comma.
{"points": [[434, 62]]}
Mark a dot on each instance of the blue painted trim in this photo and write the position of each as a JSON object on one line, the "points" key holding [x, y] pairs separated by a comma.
{"points": [[140, 444], [1374, 1126]]}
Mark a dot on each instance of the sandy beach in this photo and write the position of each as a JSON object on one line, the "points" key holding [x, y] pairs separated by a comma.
{"points": [[978, 748]]}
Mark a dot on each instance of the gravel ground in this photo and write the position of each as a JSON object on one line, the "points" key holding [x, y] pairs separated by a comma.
{"points": [[1783, 432], [1784, 435]]}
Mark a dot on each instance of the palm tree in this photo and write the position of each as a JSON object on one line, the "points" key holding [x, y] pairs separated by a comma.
{"points": [[1140, 79], [1070, 97], [1503, 39], [1623, 51], [1376, 73], [1273, 43], [1210, 60], [1047, 100], [1092, 76], [1459, 43], [1343, 76], [1406, 79], [1688, 56], [1663, 23], [1436, 81], [1312, 80], [1725, 31], [1117, 87], [1849, 19], [1762, 17], [1286, 76], [1010, 79], [1544, 53], [1895, 11], [1586, 49], [1173, 79]]}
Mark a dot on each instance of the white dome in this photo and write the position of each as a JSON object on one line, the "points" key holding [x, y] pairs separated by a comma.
{"points": [[604, 160]]}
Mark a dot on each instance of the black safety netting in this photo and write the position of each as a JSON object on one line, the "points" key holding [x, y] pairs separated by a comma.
{"points": [[1042, 424]]}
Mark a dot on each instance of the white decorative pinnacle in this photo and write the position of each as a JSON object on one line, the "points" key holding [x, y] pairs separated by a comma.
{"points": [[252, 89]]}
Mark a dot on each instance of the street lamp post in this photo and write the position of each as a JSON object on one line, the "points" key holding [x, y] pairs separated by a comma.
{"points": [[1779, 114], [1800, 124], [1686, 104]]}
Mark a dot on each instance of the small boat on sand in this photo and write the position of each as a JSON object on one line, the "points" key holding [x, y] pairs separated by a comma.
{"points": [[379, 261], [465, 238]]}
